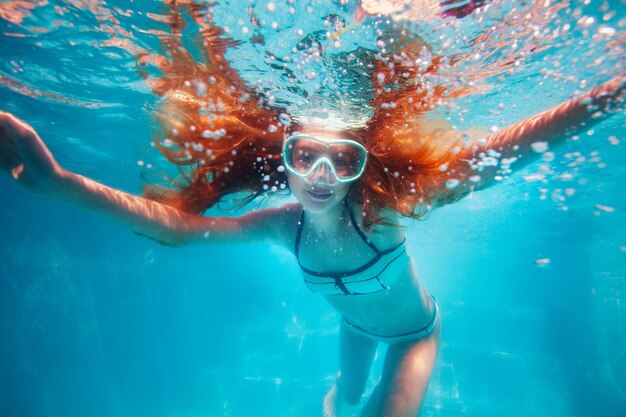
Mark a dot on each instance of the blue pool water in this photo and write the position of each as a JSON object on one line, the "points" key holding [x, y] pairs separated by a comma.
{"points": [[98, 322]]}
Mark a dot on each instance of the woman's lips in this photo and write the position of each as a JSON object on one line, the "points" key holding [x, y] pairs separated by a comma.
{"points": [[319, 195]]}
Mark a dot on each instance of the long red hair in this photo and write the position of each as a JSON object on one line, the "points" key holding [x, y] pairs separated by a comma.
{"points": [[226, 138], [217, 130]]}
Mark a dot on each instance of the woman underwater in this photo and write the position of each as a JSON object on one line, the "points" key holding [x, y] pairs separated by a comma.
{"points": [[353, 185]]}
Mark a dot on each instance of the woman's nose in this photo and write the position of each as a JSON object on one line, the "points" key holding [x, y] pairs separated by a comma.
{"points": [[323, 173]]}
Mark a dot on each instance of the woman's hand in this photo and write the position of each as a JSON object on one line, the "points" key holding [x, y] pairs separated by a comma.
{"points": [[25, 157]]}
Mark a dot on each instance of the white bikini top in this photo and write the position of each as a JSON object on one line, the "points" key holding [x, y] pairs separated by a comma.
{"points": [[375, 275]]}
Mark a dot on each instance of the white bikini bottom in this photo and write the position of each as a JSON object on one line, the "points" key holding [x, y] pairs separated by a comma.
{"points": [[415, 335]]}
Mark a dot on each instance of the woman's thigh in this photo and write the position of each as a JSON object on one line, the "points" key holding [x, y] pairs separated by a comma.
{"points": [[406, 373], [356, 353]]}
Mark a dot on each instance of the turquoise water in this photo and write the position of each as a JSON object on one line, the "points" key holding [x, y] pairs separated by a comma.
{"points": [[95, 321]]}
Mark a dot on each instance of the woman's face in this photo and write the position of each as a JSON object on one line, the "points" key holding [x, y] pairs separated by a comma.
{"points": [[319, 191]]}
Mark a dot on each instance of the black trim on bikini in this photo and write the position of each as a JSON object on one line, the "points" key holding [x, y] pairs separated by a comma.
{"points": [[338, 275], [345, 289]]}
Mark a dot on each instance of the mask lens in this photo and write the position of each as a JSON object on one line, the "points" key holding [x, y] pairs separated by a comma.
{"points": [[346, 159], [304, 153]]}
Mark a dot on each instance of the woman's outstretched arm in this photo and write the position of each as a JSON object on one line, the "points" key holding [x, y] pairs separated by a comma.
{"points": [[479, 160], [25, 156]]}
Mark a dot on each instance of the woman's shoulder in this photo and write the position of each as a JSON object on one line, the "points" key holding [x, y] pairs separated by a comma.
{"points": [[290, 210], [388, 233], [390, 217]]}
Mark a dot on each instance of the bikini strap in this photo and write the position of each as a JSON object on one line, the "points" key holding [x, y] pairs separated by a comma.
{"points": [[338, 276], [359, 231]]}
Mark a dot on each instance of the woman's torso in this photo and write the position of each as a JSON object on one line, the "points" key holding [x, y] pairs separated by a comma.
{"points": [[395, 305]]}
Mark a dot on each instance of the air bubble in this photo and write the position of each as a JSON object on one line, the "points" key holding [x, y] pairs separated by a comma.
{"points": [[284, 119], [200, 87], [606, 31], [452, 183], [534, 177], [214, 134], [547, 157], [606, 209], [539, 147], [586, 21]]}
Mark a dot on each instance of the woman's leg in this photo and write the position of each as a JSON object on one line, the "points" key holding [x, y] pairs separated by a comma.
{"points": [[406, 373], [356, 353]]}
